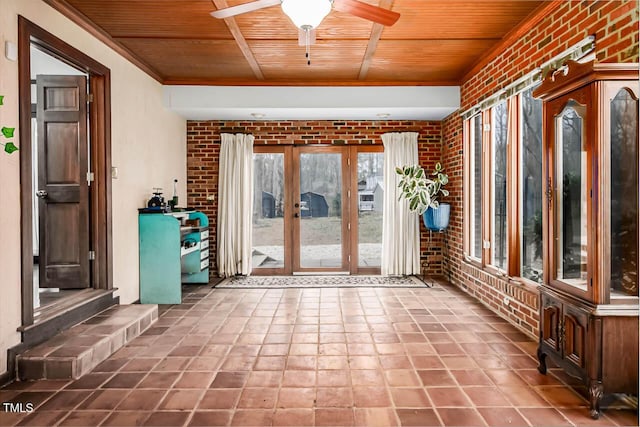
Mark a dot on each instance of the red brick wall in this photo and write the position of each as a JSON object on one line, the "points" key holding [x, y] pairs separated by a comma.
{"points": [[615, 25], [203, 151]]}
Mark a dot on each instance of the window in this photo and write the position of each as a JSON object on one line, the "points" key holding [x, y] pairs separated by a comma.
{"points": [[499, 183], [504, 187], [475, 241], [531, 186]]}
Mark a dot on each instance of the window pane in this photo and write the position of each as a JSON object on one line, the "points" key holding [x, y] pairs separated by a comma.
{"points": [[531, 187], [320, 210], [268, 209], [624, 194], [571, 197], [370, 196], [499, 214], [476, 187]]}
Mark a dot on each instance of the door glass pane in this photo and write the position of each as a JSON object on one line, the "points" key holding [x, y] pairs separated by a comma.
{"points": [[476, 187], [370, 196], [624, 194], [320, 210], [531, 187], [571, 196], [268, 210], [499, 217]]}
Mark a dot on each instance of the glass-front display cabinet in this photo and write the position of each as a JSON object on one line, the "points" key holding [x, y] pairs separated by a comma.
{"points": [[589, 298]]}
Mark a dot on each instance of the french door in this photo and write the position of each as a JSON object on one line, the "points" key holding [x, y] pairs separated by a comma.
{"points": [[317, 209]]}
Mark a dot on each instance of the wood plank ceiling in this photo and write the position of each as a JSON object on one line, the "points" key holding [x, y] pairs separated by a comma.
{"points": [[434, 42]]}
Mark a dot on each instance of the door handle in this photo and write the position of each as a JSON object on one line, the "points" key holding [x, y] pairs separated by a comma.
{"points": [[297, 205], [42, 194], [296, 215]]}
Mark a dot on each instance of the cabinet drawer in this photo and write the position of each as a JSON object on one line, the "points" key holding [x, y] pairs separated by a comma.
{"points": [[204, 254], [204, 244], [204, 264], [204, 234]]}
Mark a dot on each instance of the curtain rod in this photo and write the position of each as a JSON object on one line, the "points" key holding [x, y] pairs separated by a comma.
{"points": [[575, 52]]}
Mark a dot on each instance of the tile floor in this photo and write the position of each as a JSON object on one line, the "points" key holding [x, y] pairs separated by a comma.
{"points": [[360, 356]]}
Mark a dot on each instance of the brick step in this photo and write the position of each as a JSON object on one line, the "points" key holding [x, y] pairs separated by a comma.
{"points": [[76, 351]]}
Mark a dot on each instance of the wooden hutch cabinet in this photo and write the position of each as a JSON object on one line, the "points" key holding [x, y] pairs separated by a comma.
{"points": [[589, 299]]}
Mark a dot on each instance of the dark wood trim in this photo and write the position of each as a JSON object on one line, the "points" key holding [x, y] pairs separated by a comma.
{"points": [[26, 217], [81, 20], [174, 80], [100, 117], [513, 186], [234, 28], [521, 29]]}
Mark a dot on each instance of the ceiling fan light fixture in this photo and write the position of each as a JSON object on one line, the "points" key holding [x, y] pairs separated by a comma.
{"points": [[306, 14]]}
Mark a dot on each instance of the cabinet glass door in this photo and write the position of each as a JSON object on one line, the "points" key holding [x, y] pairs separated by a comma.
{"points": [[570, 197]]}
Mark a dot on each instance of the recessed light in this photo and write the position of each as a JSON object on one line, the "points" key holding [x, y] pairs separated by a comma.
{"points": [[383, 115], [258, 115]]}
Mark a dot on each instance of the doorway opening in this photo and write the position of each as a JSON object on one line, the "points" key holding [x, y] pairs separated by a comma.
{"points": [[317, 209], [65, 184]]}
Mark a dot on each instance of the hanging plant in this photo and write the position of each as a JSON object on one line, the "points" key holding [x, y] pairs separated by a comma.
{"points": [[9, 146]]}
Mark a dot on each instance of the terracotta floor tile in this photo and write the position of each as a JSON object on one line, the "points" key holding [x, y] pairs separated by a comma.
{"points": [[103, 399], [270, 363], [524, 397], [545, 417], [140, 364], [181, 400], [334, 378], [505, 377], [622, 417], [499, 417], [436, 378], [334, 397], [238, 363], [210, 418], [37, 398], [120, 419], [264, 379], [395, 362], [167, 419], [293, 417], [258, 398], [376, 417], [124, 380], [219, 399], [561, 397], [458, 362], [364, 362], [84, 418], [299, 379], [63, 400], [334, 417], [409, 398], [418, 417], [252, 417], [402, 378], [471, 377], [43, 418], [367, 377], [294, 397], [194, 379], [141, 400], [461, 417], [172, 364], [486, 396], [229, 380], [371, 397], [448, 397], [89, 382], [302, 363], [333, 362]]}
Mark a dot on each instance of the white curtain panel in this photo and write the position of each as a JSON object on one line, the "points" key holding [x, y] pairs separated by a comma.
{"points": [[400, 226], [235, 204]]}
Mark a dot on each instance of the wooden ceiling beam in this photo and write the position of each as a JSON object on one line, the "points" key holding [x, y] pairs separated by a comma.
{"points": [[240, 40], [376, 33]]}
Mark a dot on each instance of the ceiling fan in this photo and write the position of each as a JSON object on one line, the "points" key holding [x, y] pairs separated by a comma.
{"points": [[308, 14]]}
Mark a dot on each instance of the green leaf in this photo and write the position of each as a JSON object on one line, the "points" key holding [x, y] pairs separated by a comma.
{"points": [[1, 99], [9, 147], [8, 132]]}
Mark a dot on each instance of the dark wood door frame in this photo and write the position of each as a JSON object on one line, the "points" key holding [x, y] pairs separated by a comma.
{"points": [[99, 161]]}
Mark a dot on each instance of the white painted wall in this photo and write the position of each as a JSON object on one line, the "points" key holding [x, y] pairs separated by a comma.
{"points": [[148, 147]]}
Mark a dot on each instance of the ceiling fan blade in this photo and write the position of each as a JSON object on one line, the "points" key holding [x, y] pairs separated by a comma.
{"points": [[367, 11], [244, 8], [302, 37]]}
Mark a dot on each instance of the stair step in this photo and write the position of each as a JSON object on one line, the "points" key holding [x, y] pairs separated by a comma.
{"points": [[76, 351]]}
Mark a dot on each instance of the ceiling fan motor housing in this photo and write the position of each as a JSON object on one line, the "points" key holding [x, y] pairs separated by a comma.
{"points": [[306, 14]]}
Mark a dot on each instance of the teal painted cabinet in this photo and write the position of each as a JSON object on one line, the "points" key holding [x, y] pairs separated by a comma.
{"points": [[174, 249]]}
